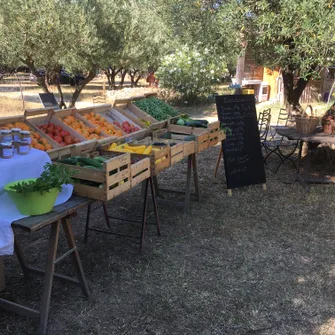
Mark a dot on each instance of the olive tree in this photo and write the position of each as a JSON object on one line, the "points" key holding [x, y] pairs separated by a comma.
{"points": [[49, 36], [295, 35]]}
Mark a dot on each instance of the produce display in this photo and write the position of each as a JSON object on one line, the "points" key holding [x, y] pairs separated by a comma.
{"points": [[185, 120], [156, 108], [89, 163], [57, 133], [137, 149], [127, 127], [37, 142], [145, 122], [81, 128], [104, 125]]}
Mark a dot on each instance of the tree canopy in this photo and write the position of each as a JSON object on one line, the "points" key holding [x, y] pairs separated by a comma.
{"points": [[295, 35]]}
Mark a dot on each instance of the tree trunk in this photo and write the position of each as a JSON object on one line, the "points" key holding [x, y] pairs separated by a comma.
{"points": [[61, 103], [80, 87], [111, 73], [132, 74], [41, 81], [123, 76], [138, 78], [292, 93]]}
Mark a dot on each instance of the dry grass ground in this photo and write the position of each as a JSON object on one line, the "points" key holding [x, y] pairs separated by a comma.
{"points": [[254, 263]]}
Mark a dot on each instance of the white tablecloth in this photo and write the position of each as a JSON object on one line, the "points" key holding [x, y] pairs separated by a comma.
{"points": [[16, 168]]}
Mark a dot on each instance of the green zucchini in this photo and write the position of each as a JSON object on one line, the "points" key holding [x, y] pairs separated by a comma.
{"points": [[89, 161], [100, 159], [70, 161]]}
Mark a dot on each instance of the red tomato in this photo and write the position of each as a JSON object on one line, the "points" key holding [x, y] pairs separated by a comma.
{"points": [[58, 139]]}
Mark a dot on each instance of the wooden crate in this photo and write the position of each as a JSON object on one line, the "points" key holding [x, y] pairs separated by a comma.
{"points": [[139, 171], [163, 155], [12, 120], [60, 115], [112, 114], [117, 114], [214, 130], [101, 110], [189, 147], [139, 166], [77, 149], [107, 183], [41, 116], [200, 135], [138, 113]]}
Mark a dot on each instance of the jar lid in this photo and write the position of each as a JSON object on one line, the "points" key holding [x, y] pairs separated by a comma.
{"points": [[24, 142], [7, 144], [5, 131], [25, 132], [16, 129]]}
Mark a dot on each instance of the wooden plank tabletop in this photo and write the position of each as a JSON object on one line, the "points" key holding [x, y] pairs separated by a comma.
{"points": [[34, 223], [317, 137]]}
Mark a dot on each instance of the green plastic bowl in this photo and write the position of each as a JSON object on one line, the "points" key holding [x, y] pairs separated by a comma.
{"points": [[33, 203]]}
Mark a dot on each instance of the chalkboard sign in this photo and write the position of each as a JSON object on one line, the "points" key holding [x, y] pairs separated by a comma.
{"points": [[241, 150], [49, 100]]}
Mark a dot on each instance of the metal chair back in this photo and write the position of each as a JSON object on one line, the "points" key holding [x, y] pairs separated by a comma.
{"points": [[264, 123]]}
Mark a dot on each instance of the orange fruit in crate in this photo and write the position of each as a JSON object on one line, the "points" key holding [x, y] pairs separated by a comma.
{"points": [[9, 126], [33, 141], [44, 141], [39, 146], [48, 146]]}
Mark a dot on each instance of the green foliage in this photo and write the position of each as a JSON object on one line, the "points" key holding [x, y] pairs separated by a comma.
{"points": [[53, 176], [191, 73], [295, 35]]}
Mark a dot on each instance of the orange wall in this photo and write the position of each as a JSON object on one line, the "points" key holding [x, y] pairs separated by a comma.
{"points": [[270, 77]]}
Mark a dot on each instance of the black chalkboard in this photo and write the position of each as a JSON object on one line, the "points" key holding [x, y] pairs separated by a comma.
{"points": [[242, 153], [49, 100]]}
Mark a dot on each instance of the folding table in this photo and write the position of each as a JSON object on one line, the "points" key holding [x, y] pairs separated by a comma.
{"points": [[60, 216]]}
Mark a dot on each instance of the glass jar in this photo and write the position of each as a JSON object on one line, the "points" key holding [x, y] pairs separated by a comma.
{"points": [[16, 134], [5, 135], [16, 145], [25, 136], [23, 148], [6, 150]]}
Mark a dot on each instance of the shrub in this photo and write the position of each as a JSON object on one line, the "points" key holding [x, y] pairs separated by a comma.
{"points": [[191, 73]]}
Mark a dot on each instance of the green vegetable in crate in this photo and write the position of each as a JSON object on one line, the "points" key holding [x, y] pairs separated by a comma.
{"points": [[156, 108], [196, 123], [100, 159], [90, 162]]}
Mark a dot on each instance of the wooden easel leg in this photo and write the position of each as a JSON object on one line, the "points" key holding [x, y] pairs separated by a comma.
{"points": [[75, 254], [230, 192], [218, 160], [48, 280], [2, 275]]}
